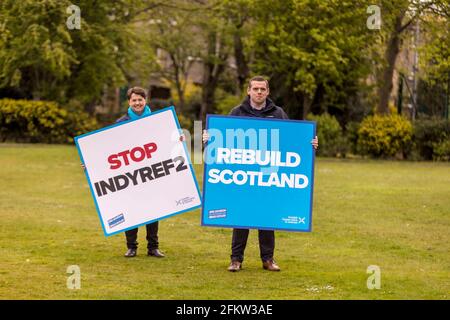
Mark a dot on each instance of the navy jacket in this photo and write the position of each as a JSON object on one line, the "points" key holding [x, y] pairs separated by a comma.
{"points": [[269, 111], [123, 118]]}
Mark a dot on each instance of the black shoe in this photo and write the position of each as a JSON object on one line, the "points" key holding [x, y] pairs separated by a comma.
{"points": [[155, 253], [130, 253]]}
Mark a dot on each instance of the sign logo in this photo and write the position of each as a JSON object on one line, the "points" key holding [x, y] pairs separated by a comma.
{"points": [[116, 220], [219, 213], [185, 200]]}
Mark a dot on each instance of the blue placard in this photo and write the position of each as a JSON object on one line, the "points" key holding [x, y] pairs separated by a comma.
{"points": [[258, 173]]}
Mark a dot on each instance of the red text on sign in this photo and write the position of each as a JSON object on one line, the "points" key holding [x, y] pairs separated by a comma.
{"points": [[136, 154]]}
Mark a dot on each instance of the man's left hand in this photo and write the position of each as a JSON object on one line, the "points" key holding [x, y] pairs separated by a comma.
{"points": [[315, 143]]}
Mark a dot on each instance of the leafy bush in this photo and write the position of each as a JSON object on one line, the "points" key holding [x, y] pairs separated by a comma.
{"points": [[384, 135], [185, 122], [331, 139], [78, 122], [226, 101], [41, 121], [351, 133], [442, 151], [431, 138], [192, 98]]}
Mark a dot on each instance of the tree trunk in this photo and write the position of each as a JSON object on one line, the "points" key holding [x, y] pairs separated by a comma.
{"points": [[307, 101], [178, 84], [214, 65], [210, 82], [208, 91], [241, 63], [392, 50], [180, 94], [90, 107]]}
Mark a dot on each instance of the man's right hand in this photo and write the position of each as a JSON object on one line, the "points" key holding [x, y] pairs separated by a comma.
{"points": [[205, 136], [83, 167]]}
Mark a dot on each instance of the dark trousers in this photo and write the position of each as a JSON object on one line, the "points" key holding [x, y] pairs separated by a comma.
{"points": [[152, 237], [239, 242]]}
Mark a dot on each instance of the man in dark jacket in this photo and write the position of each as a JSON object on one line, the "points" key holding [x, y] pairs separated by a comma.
{"points": [[257, 104], [138, 108]]}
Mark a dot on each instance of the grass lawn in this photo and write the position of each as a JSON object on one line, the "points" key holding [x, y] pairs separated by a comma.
{"points": [[395, 215]]}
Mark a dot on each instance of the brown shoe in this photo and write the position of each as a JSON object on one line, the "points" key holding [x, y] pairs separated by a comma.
{"points": [[155, 253], [234, 266], [271, 265]]}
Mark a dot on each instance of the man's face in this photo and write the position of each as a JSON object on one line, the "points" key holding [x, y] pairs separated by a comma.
{"points": [[258, 92], [137, 103]]}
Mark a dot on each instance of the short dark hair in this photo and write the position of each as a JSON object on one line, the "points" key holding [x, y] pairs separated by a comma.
{"points": [[257, 78], [138, 91]]}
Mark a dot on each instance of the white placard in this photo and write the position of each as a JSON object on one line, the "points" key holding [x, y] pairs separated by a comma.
{"points": [[139, 171]]}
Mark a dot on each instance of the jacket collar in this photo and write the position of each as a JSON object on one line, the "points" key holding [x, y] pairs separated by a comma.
{"points": [[248, 108]]}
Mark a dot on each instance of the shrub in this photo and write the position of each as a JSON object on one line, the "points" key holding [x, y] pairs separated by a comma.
{"points": [[442, 150], [351, 133], [331, 139], [41, 121], [226, 101], [192, 98], [78, 122], [431, 138], [384, 135], [185, 122]]}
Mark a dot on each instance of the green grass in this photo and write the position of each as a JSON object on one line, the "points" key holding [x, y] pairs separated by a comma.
{"points": [[395, 215]]}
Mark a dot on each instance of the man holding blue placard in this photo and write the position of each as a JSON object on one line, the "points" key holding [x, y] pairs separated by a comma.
{"points": [[257, 104]]}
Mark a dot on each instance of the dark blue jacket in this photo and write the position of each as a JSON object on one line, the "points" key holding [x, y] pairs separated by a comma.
{"points": [[269, 111], [123, 118]]}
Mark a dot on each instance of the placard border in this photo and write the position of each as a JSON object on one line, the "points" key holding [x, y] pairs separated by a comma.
{"points": [[170, 108], [309, 229]]}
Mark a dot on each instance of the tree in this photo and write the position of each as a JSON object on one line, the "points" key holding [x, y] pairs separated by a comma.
{"points": [[434, 97], [218, 38], [41, 55], [188, 32], [436, 47], [36, 50], [394, 14], [238, 14], [214, 62], [173, 29], [311, 49], [105, 48], [398, 16]]}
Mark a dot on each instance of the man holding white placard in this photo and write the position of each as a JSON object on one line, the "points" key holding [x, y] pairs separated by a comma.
{"points": [[137, 100], [130, 178]]}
